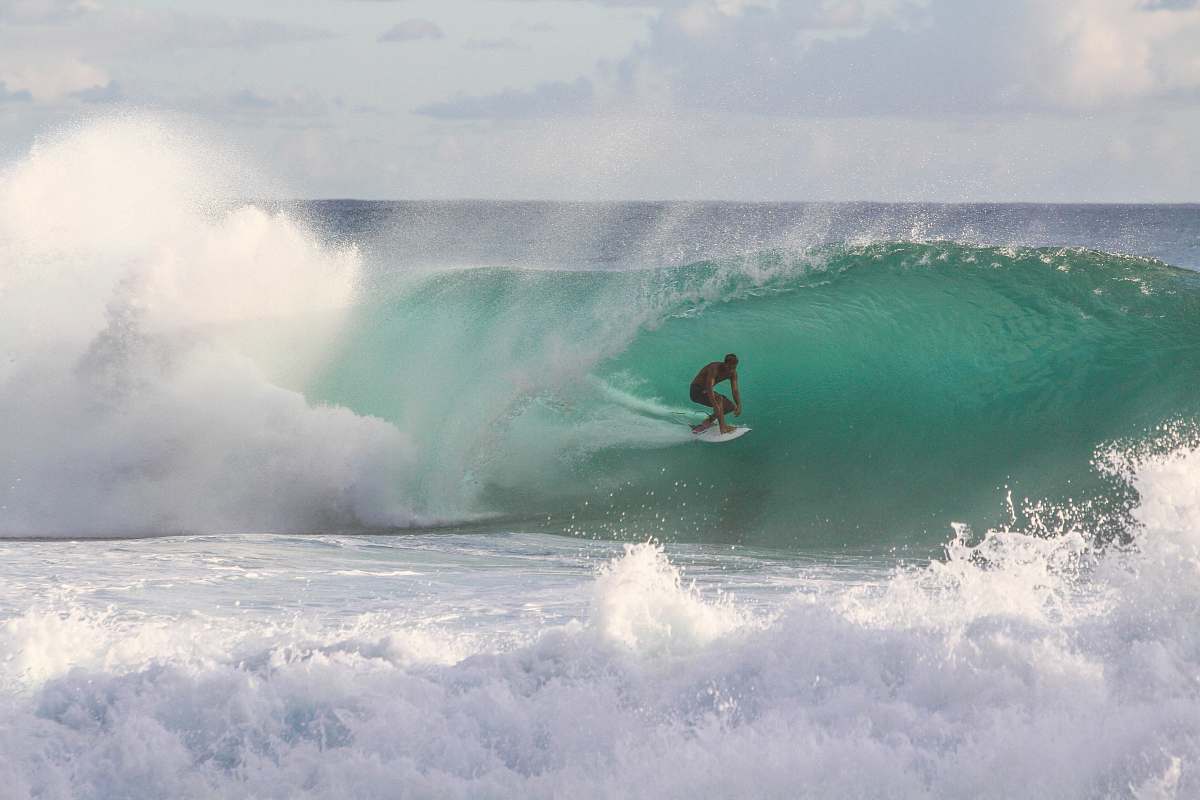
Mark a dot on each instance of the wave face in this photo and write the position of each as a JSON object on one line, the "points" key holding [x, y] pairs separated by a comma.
{"points": [[893, 388]]}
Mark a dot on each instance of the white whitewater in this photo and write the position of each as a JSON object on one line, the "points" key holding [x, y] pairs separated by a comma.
{"points": [[1026, 665], [134, 392]]}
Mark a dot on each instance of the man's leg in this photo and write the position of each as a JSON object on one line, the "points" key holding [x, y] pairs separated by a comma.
{"points": [[723, 403], [699, 396], [724, 406]]}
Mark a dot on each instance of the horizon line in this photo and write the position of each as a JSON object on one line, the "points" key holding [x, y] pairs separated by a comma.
{"points": [[712, 201]]}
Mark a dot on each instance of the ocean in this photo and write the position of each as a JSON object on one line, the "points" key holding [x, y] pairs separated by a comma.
{"points": [[327, 499]]}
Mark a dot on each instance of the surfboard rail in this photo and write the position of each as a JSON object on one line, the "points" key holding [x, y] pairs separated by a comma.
{"points": [[714, 434]]}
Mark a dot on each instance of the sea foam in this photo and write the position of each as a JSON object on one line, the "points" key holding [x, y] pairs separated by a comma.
{"points": [[1021, 664], [134, 395]]}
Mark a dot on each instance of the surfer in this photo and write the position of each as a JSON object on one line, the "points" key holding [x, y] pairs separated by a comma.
{"points": [[702, 392]]}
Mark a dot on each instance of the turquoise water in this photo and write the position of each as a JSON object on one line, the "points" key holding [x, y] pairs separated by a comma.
{"points": [[893, 388]]}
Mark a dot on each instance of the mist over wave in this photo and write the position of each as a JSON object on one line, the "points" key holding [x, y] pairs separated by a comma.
{"points": [[135, 291]]}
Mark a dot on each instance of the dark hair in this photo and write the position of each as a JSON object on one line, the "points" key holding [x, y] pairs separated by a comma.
{"points": [[730, 358]]}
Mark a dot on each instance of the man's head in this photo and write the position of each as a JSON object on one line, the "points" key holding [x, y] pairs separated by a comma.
{"points": [[731, 362]]}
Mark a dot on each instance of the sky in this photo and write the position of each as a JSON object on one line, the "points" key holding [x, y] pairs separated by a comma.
{"points": [[892, 100]]}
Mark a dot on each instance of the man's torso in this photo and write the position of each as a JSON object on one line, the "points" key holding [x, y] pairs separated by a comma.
{"points": [[715, 369]]}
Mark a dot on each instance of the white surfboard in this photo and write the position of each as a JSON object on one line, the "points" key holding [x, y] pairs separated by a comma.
{"points": [[714, 434]]}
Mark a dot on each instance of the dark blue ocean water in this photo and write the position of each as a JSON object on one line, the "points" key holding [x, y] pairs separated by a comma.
{"points": [[614, 235]]}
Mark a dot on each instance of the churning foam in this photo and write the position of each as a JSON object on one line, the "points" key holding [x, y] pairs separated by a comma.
{"points": [[134, 292], [1020, 666]]}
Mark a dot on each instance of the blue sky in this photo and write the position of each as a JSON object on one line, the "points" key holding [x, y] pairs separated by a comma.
{"points": [[1038, 100]]}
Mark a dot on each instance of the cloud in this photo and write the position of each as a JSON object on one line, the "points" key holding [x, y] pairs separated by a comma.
{"points": [[247, 100], [49, 76], [19, 96], [108, 93], [43, 11], [546, 99], [880, 57], [908, 57], [411, 30], [169, 30], [1096, 53], [58, 49], [660, 4], [506, 43], [296, 104], [120, 31]]}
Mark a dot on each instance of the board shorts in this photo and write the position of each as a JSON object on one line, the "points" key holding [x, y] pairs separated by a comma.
{"points": [[700, 395]]}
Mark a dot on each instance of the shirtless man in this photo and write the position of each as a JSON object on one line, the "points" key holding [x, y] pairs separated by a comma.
{"points": [[702, 392]]}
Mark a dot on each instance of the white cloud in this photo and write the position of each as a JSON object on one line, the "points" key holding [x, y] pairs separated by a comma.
{"points": [[287, 105], [111, 92], [49, 76], [754, 99], [124, 30], [60, 48], [724, 55], [702, 18], [862, 99], [917, 56], [546, 99], [502, 43], [411, 30], [42, 11], [152, 29], [1097, 52], [17, 96]]}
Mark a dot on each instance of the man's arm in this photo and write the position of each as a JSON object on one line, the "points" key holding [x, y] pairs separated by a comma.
{"points": [[737, 396]]}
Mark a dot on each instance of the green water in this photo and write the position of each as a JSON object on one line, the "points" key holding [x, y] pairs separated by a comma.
{"points": [[892, 389]]}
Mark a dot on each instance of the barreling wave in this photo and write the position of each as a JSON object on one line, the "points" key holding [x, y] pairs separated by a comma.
{"points": [[173, 359], [893, 388]]}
